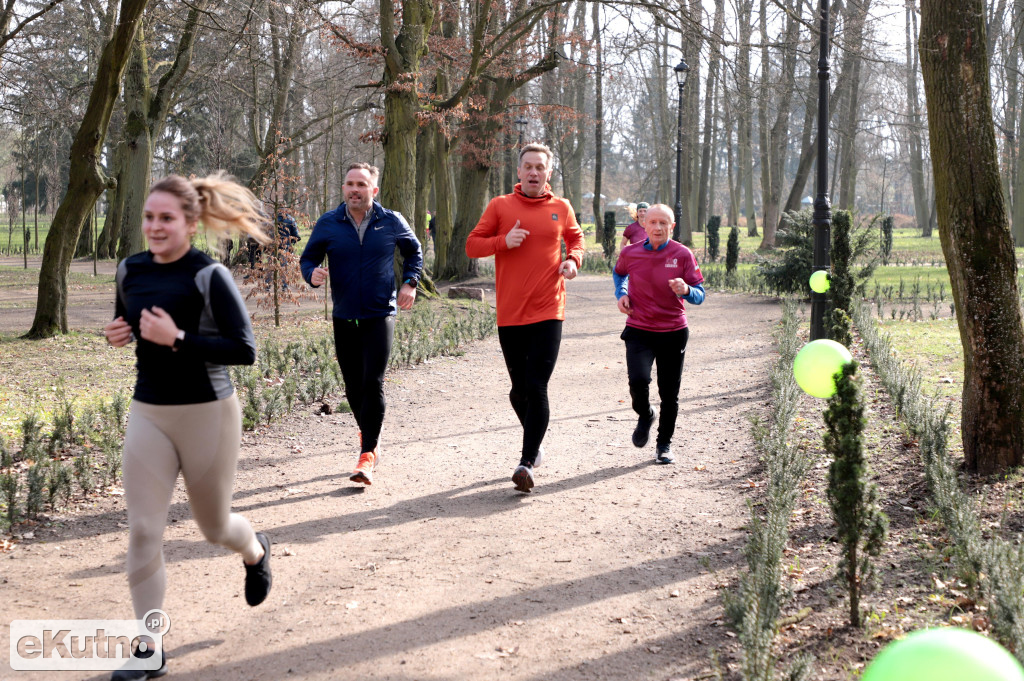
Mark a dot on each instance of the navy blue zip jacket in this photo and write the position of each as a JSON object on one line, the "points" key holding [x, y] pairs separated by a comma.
{"points": [[362, 274]]}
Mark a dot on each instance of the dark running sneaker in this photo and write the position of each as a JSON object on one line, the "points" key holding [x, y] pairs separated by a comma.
{"points": [[140, 674], [257, 577], [664, 454], [642, 432], [523, 479]]}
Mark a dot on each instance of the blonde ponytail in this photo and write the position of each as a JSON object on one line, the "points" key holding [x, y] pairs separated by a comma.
{"points": [[221, 204]]}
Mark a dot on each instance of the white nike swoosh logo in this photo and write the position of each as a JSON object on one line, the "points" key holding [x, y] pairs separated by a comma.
{"points": [[377, 227]]}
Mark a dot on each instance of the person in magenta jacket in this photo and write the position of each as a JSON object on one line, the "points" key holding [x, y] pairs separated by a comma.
{"points": [[634, 232], [652, 279]]}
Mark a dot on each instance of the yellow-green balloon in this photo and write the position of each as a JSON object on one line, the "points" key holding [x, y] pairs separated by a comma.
{"points": [[815, 364], [820, 281], [944, 654]]}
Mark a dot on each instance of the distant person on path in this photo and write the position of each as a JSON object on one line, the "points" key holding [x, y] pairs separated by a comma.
{"points": [[524, 231], [189, 321], [634, 232], [652, 279], [359, 237], [287, 231]]}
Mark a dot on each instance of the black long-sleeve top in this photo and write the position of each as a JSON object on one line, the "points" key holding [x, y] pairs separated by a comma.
{"points": [[202, 298]]}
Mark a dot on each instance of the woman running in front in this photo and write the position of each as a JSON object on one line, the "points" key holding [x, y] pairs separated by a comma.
{"points": [[188, 320]]}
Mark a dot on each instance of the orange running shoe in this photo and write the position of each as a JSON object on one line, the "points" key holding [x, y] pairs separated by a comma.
{"points": [[364, 469]]}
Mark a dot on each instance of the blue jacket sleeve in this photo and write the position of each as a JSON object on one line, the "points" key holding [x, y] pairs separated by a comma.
{"points": [[621, 284], [696, 294], [409, 247], [316, 248]]}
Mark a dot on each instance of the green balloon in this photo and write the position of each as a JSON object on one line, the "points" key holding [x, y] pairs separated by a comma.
{"points": [[820, 281], [944, 654], [815, 364]]}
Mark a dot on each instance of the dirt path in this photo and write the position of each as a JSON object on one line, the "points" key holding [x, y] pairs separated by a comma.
{"points": [[440, 570]]}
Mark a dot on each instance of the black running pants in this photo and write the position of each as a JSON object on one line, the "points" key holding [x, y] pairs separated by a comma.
{"points": [[668, 349], [363, 347], [531, 351]]}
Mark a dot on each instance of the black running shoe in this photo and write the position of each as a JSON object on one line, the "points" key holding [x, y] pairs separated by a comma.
{"points": [[141, 674], [257, 577], [664, 454], [642, 432], [523, 478]]}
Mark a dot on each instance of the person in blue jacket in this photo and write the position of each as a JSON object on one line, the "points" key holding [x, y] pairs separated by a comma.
{"points": [[359, 238]]}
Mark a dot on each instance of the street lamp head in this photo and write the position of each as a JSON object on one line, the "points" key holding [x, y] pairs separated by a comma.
{"points": [[521, 124], [682, 70]]}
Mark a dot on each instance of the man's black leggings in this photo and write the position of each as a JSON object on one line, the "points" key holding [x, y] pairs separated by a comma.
{"points": [[668, 349], [530, 353], [363, 347]]}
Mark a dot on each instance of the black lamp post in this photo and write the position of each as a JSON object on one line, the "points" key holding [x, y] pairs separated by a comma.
{"points": [[822, 218], [682, 70], [521, 124]]}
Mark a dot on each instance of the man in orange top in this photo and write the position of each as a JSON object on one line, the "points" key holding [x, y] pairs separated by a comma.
{"points": [[524, 231]]}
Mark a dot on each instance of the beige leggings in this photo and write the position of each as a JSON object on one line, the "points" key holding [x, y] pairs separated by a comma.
{"points": [[201, 441]]}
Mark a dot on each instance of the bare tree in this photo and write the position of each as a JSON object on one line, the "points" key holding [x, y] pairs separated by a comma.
{"points": [[87, 180]]}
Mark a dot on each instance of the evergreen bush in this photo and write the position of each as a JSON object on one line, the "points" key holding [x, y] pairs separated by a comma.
{"points": [[608, 235], [732, 250], [885, 239], [861, 526], [9, 487], [714, 222]]}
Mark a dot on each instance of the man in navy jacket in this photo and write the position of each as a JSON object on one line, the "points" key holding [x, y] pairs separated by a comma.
{"points": [[359, 238]]}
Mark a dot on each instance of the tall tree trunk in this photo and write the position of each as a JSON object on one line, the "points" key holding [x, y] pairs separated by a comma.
{"points": [[853, 62], [146, 112], [664, 153], [402, 52], [424, 180], [443, 191], [709, 97], [774, 139], [974, 231], [809, 138], [1018, 175], [598, 121], [86, 180], [733, 212], [107, 242], [922, 208], [138, 149], [745, 114]]}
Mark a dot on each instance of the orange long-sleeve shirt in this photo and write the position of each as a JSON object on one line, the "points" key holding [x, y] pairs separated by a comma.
{"points": [[528, 284]]}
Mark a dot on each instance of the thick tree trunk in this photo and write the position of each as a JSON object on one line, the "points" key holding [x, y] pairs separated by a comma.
{"points": [[86, 180], [138, 150], [974, 231], [402, 53], [145, 113]]}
